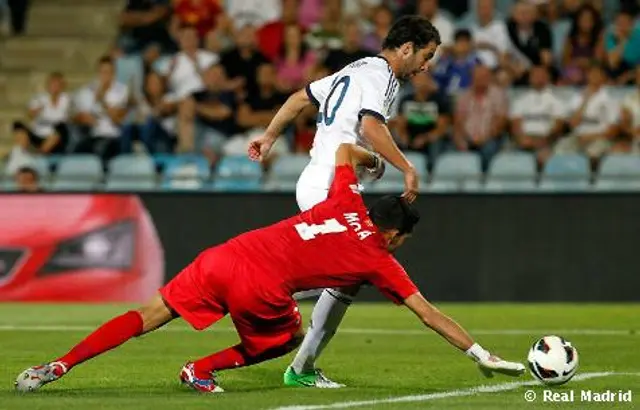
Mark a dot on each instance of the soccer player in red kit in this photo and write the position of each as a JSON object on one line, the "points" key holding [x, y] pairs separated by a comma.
{"points": [[252, 278]]}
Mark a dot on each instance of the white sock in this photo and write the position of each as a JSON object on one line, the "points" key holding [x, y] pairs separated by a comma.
{"points": [[325, 319]]}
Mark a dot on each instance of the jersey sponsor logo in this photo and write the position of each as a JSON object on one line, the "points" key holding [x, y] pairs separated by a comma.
{"points": [[354, 222]]}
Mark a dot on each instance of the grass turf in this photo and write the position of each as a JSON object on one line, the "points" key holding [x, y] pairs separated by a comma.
{"points": [[399, 361]]}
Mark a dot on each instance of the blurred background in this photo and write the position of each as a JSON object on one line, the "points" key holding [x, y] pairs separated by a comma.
{"points": [[156, 100], [164, 94]]}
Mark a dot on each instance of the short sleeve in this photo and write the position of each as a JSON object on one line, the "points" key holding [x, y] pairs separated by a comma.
{"points": [[318, 90], [122, 97], [83, 100], [35, 102], [392, 280], [345, 183]]}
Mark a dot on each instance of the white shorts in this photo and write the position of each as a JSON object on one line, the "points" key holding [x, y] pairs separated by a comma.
{"points": [[313, 185]]}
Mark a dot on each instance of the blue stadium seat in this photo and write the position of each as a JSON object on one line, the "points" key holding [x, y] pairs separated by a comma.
{"points": [[567, 167], [617, 185], [275, 185], [443, 186], [418, 160], [386, 186], [78, 173], [130, 71], [237, 185], [472, 186], [457, 166], [500, 186], [188, 172], [559, 32], [620, 165], [513, 165], [553, 185], [238, 167], [130, 185], [137, 166], [289, 167]]}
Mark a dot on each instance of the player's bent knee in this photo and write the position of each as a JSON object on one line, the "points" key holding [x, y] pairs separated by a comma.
{"points": [[155, 314]]}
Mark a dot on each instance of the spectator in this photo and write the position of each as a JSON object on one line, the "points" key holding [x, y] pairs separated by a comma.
{"points": [[361, 9], [241, 63], [271, 36], [622, 45], [531, 39], [326, 35], [630, 114], [49, 112], [429, 10], [295, 61], [144, 23], [203, 15], [351, 50], [305, 122], [19, 9], [490, 35], [455, 71], [593, 117], [27, 180], [537, 117], [157, 113], [424, 117], [584, 45], [101, 108], [480, 116], [382, 20], [185, 79], [256, 112], [214, 110], [311, 11], [254, 13]]}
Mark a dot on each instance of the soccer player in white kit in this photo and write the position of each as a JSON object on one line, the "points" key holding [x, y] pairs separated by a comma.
{"points": [[353, 107]]}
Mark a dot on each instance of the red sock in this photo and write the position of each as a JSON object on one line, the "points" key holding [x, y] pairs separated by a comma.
{"points": [[236, 356], [229, 358], [111, 334]]}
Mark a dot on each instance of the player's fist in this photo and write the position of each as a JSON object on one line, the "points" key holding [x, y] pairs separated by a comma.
{"points": [[259, 147], [410, 185]]}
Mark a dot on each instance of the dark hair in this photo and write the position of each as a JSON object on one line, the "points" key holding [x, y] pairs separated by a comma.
{"points": [[105, 60], [462, 34], [56, 74], [28, 170], [394, 212], [411, 29], [598, 25]]}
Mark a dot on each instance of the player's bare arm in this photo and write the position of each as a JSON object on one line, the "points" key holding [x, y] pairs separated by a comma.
{"points": [[382, 141], [458, 337], [259, 147]]}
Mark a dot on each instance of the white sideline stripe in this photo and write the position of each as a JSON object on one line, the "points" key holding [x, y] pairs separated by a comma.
{"points": [[496, 388], [355, 331]]}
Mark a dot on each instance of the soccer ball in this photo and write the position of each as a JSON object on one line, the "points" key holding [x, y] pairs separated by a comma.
{"points": [[553, 360]]}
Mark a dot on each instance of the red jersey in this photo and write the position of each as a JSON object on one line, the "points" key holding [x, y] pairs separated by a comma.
{"points": [[202, 14], [333, 244]]}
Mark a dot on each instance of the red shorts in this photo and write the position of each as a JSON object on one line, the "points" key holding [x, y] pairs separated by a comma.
{"points": [[220, 282]]}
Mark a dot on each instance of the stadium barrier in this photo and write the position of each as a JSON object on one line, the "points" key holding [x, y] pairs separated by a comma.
{"points": [[466, 247]]}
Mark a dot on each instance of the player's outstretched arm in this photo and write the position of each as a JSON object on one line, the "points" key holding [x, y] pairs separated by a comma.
{"points": [[353, 155], [457, 336], [260, 146], [380, 137]]}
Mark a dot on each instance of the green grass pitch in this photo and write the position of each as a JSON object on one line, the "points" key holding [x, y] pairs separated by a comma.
{"points": [[382, 352]]}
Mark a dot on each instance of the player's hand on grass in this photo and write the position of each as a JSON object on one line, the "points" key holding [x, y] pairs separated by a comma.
{"points": [[494, 364], [259, 147], [410, 185]]}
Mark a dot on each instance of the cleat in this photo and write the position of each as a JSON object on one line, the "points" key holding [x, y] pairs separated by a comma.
{"points": [[314, 378], [188, 377], [35, 377]]}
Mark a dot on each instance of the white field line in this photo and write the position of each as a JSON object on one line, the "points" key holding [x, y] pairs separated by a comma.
{"points": [[348, 330], [473, 391], [352, 330]]}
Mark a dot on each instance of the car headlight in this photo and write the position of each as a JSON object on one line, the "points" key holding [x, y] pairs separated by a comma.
{"points": [[109, 247]]}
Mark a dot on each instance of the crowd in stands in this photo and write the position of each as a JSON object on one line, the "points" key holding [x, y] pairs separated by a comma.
{"points": [[213, 74]]}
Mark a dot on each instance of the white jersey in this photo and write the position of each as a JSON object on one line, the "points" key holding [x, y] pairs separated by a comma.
{"points": [[364, 87]]}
